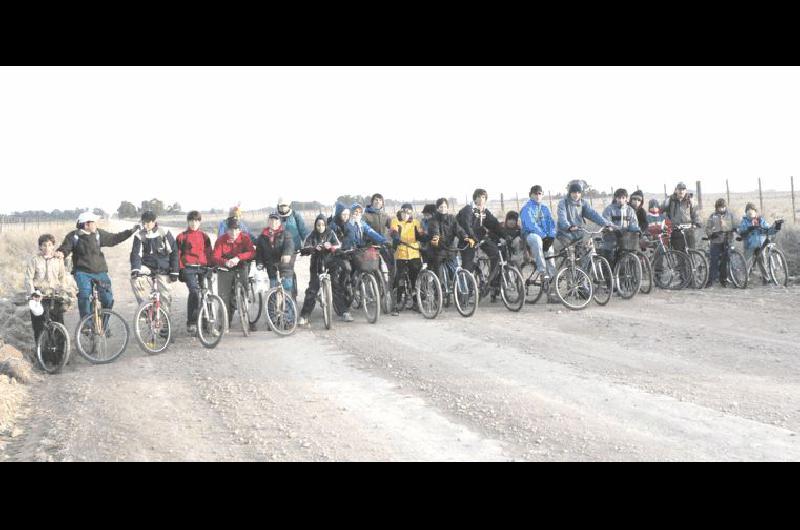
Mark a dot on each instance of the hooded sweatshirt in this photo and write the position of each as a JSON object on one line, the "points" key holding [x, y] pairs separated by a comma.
{"points": [[294, 225], [315, 239], [356, 234], [48, 274], [447, 227], [477, 223], [573, 213], [754, 231]]}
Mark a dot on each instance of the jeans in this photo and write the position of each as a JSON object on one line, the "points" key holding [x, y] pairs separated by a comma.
{"points": [[536, 245], [84, 281], [717, 263], [191, 277], [225, 284]]}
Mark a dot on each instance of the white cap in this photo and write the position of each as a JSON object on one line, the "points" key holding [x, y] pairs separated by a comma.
{"points": [[282, 201], [88, 217]]}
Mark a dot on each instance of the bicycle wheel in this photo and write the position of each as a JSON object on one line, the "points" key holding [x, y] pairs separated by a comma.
{"points": [[327, 302], [148, 327], [281, 312], [778, 267], [255, 302], [429, 294], [647, 273], [672, 270], [628, 274], [370, 297], [602, 280], [534, 288], [465, 293], [574, 288], [243, 308], [103, 345], [737, 269], [52, 348], [512, 288], [212, 321], [699, 269]]}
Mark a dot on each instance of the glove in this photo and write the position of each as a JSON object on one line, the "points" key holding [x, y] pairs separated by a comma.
{"points": [[135, 275], [136, 228], [435, 241], [173, 277], [471, 242]]}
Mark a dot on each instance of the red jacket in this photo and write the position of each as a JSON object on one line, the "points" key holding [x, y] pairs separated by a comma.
{"points": [[225, 249], [194, 248]]}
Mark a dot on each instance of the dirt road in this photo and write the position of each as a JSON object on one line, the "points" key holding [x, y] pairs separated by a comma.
{"points": [[696, 375]]}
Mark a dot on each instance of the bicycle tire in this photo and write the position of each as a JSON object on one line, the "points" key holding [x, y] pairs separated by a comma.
{"points": [[737, 269], [534, 289], [512, 288], [255, 304], [212, 321], [370, 297], [88, 349], [142, 316], [647, 273], [429, 294], [671, 270], [465, 289], [628, 275], [281, 312], [778, 265], [574, 284], [386, 294], [242, 308], [699, 269], [47, 345], [602, 279], [327, 303]]}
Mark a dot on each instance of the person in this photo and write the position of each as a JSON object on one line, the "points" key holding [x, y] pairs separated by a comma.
{"points": [[194, 250], [357, 231], [295, 226], [406, 232], [680, 209], [720, 228], [233, 251], [637, 203], [235, 212], [573, 212], [88, 262], [478, 222], [656, 221], [326, 243], [622, 216], [444, 230], [46, 275], [426, 251], [510, 232], [754, 229], [274, 252], [376, 217], [341, 269], [539, 232], [154, 248]]}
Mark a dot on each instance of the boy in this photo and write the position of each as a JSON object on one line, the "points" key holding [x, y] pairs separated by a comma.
{"points": [[719, 229], [234, 250], [194, 250], [321, 238], [46, 275]]}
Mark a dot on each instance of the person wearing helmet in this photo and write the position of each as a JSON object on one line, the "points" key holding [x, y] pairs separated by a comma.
{"points": [[324, 241], [88, 262], [234, 251], [680, 209], [573, 212], [624, 218], [154, 249], [294, 225], [720, 228], [46, 275], [235, 212], [539, 231]]}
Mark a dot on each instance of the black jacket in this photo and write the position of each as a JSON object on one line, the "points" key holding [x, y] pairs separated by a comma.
{"points": [[447, 228], [477, 224], [85, 249], [155, 250], [269, 253]]}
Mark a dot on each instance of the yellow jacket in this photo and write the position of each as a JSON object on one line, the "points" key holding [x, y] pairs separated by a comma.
{"points": [[408, 235]]}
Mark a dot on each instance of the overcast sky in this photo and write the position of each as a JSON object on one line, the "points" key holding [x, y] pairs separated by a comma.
{"points": [[211, 137]]}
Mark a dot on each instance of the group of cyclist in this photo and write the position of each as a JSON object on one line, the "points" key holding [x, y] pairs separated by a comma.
{"points": [[404, 242]]}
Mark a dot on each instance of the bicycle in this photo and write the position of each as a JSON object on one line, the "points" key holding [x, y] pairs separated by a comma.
{"points": [[325, 292], [384, 284], [598, 267], [770, 259], [435, 291], [255, 300], [697, 260], [512, 284], [671, 268], [405, 294], [212, 318], [151, 324], [242, 301], [363, 287], [425, 293], [627, 265], [281, 309], [52, 348], [537, 284], [734, 266], [102, 335]]}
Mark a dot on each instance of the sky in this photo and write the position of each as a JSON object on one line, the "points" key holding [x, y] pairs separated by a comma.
{"points": [[214, 137]]}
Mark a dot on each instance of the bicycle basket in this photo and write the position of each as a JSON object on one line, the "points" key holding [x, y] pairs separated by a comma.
{"points": [[629, 241], [366, 260]]}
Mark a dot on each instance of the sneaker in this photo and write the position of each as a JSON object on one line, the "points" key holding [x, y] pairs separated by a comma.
{"points": [[191, 329], [303, 322], [709, 284], [347, 317], [253, 327]]}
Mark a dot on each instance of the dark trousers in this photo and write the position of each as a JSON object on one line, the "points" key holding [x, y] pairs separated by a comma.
{"points": [[718, 263], [489, 247], [340, 275], [413, 266], [191, 277], [313, 286], [676, 239], [56, 315], [225, 284]]}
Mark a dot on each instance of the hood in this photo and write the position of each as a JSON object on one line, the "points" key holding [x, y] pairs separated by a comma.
{"points": [[371, 209], [337, 212], [356, 205]]}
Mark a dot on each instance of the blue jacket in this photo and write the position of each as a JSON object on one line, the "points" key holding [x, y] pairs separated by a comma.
{"points": [[355, 235], [294, 224], [754, 238], [571, 213], [537, 219]]}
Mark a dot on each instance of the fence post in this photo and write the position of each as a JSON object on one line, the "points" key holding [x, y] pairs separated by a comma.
{"points": [[760, 197], [699, 195], [665, 192], [728, 192], [518, 209], [550, 195], [502, 205], [794, 208]]}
